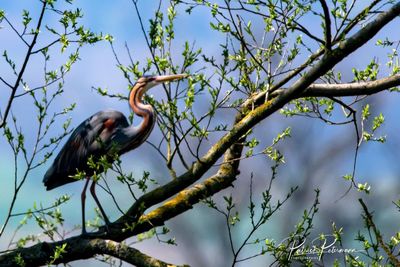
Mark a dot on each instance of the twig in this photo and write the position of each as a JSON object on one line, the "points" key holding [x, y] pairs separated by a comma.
{"points": [[328, 34], [16, 31], [370, 223], [6, 83]]}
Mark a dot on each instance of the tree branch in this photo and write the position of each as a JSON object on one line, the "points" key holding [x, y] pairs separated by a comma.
{"points": [[328, 34], [6, 83], [79, 248], [129, 254], [348, 89], [24, 64]]}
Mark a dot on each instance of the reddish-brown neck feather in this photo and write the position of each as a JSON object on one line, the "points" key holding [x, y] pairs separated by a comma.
{"points": [[142, 110]]}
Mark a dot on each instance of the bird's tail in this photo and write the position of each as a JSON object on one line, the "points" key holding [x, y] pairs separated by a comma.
{"points": [[51, 179]]}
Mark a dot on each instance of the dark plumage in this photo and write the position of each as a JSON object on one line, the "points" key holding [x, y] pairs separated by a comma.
{"points": [[93, 137]]}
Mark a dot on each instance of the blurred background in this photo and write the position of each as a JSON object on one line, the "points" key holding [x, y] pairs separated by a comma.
{"points": [[317, 155]]}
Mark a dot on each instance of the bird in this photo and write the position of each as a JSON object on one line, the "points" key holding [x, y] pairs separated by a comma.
{"points": [[106, 133]]}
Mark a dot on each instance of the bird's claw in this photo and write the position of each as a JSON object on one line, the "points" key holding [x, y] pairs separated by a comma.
{"points": [[102, 230], [85, 233], [106, 227]]}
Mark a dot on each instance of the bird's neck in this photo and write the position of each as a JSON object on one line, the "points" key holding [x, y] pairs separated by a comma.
{"points": [[135, 101], [142, 110]]}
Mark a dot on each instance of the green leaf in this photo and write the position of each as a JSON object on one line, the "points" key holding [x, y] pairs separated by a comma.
{"points": [[2, 14], [378, 121], [25, 17], [365, 112]]}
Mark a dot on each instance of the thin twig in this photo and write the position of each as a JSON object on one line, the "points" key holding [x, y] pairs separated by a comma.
{"points": [[6, 83], [328, 34]]}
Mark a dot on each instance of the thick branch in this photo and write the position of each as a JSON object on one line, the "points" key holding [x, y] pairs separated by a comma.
{"points": [[79, 248], [129, 254], [348, 89]]}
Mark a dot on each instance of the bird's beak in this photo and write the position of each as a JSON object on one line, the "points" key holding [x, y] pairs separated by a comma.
{"points": [[168, 78]]}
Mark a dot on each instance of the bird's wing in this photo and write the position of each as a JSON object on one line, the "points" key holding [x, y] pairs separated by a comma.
{"points": [[90, 138]]}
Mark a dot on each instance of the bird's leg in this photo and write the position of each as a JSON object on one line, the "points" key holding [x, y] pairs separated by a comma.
{"points": [[93, 192], [83, 197]]}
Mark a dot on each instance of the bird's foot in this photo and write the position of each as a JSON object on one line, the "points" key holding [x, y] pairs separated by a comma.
{"points": [[106, 227], [102, 230], [85, 233], [90, 235], [98, 233], [107, 224]]}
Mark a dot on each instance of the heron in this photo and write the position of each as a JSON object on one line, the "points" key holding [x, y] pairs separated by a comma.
{"points": [[104, 133]]}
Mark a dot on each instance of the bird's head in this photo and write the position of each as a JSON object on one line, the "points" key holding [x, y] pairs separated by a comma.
{"points": [[150, 81]]}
